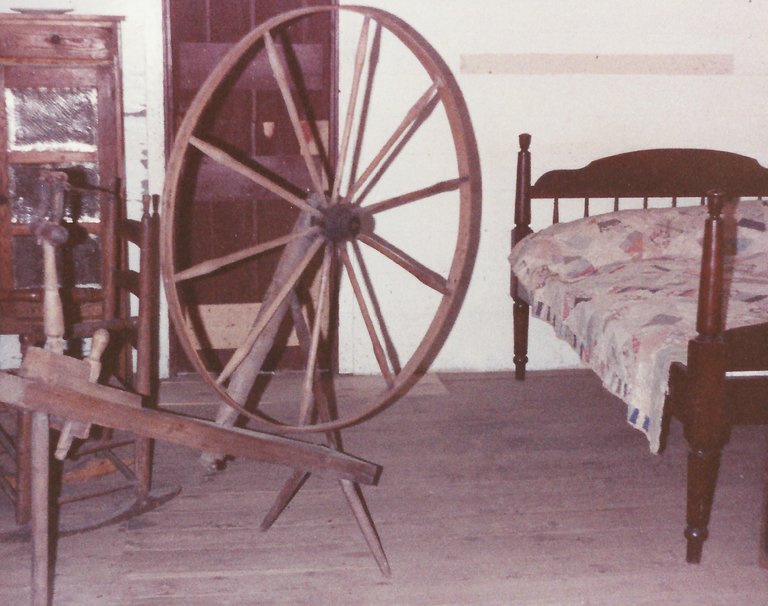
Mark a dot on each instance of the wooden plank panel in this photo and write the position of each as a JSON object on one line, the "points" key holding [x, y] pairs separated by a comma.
{"points": [[230, 21], [197, 60], [188, 20], [218, 183]]}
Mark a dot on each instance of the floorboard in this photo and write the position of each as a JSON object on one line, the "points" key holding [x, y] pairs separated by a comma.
{"points": [[493, 492]]}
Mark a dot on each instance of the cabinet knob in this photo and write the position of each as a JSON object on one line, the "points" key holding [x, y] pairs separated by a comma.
{"points": [[55, 39]]}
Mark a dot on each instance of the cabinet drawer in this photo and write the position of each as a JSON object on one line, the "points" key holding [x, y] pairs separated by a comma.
{"points": [[54, 41]]}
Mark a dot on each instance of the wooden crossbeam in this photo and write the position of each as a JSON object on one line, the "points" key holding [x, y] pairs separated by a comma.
{"points": [[109, 407]]}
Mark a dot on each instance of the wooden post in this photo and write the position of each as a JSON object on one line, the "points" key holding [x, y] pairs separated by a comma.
{"points": [[146, 340], [705, 393], [23, 467], [41, 543], [244, 377], [50, 234], [520, 310], [145, 380]]}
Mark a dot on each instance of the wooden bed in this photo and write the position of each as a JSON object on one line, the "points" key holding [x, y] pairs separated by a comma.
{"points": [[668, 305]]}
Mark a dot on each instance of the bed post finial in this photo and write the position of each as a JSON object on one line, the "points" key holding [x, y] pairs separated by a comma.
{"points": [[715, 201], [709, 322], [522, 188]]}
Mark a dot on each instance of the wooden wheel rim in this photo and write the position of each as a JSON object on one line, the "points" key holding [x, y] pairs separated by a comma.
{"points": [[449, 96]]}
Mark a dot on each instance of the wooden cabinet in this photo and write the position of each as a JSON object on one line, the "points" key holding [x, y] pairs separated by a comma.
{"points": [[61, 110]]}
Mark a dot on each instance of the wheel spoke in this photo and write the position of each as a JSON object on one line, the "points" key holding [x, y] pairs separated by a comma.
{"points": [[378, 350], [305, 409], [408, 263], [373, 63], [280, 72], [219, 155], [394, 359], [303, 335], [414, 116], [413, 196], [212, 265], [241, 352], [362, 46], [362, 194], [389, 344]]}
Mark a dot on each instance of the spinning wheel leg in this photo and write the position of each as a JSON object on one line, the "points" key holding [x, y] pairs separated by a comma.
{"points": [[364, 521], [351, 490], [356, 502], [287, 492], [41, 540]]}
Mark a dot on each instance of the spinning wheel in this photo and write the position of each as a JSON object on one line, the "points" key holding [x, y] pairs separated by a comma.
{"points": [[394, 199], [357, 225]]}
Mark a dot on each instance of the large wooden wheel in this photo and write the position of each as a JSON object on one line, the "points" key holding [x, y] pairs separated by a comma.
{"points": [[383, 232]]}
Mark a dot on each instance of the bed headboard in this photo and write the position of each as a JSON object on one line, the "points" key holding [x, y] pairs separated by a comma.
{"points": [[669, 173], [664, 172], [650, 173]]}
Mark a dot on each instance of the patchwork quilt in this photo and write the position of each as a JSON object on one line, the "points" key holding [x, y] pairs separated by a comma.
{"points": [[622, 289]]}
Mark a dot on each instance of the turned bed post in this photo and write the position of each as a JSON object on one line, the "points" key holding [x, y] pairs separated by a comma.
{"points": [[704, 427], [520, 311]]}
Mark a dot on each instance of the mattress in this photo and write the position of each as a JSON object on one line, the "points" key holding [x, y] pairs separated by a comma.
{"points": [[622, 289]]}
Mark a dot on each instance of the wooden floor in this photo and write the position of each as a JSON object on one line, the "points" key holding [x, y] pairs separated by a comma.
{"points": [[493, 492]]}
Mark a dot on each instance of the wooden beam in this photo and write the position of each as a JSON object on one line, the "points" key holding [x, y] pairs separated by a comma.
{"points": [[103, 408]]}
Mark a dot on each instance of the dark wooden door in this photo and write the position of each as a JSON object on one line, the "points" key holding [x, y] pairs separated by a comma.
{"points": [[252, 120]]}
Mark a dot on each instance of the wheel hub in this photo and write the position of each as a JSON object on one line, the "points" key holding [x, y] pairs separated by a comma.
{"points": [[341, 222]]}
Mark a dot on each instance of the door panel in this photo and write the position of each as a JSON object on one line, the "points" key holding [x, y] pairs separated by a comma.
{"points": [[253, 125]]}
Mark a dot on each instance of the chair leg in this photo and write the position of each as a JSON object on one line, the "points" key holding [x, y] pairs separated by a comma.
{"points": [[520, 317], [144, 498], [143, 448]]}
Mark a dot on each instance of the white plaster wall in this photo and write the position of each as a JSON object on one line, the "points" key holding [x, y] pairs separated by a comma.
{"points": [[573, 117], [142, 69], [577, 117]]}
